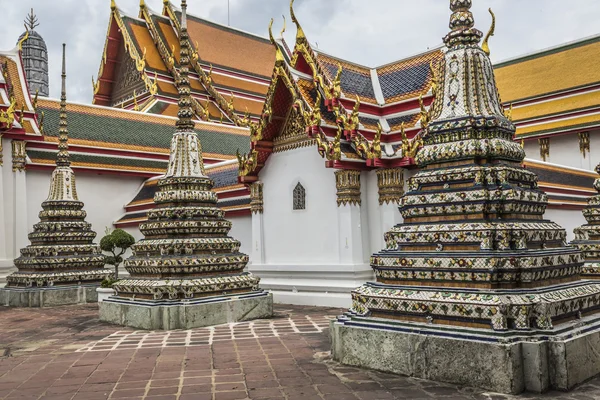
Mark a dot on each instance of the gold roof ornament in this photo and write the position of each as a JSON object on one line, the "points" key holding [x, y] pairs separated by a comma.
{"points": [[424, 113], [299, 31], [283, 28], [485, 45], [271, 38], [8, 117], [24, 38], [140, 63], [113, 5]]}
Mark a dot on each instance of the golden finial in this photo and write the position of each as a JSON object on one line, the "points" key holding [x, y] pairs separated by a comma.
{"points": [[135, 103], [485, 46], [141, 63], [113, 5], [41, 122], [142, 4], [24, 38], [522, 143], [424, 113], [282, 29], [95, 85], [336, 85], [435, 82], [271, 38], [299, 31], [154, 87], [35, 99], [230, 105], [508, 113], [205, 112]]}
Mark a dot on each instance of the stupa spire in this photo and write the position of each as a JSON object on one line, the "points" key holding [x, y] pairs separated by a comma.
{"points": [[62, 158], [462, 24], [31, 21], [186, 112]]}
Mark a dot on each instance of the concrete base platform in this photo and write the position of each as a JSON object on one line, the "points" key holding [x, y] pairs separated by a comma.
{"points": [[182, 314], [48, 296], [508, 362]]}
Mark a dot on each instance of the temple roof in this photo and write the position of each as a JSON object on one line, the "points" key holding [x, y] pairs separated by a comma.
{"points": [[553, 91], [226, 61]]}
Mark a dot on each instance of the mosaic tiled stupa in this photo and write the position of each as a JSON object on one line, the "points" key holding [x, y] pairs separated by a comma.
{"points": [[474, 261], [62, 255], [186, 257], [587, 237]]}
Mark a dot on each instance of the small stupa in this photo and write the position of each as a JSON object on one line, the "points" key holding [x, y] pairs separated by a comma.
{"points": [[475, 287], [62, 265], [186, 272], [587, 237], [35, 57]]}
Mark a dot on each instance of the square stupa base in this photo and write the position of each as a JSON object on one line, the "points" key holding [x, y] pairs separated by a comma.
{"points": [[186, 314], [48, 296], [506, 362]]}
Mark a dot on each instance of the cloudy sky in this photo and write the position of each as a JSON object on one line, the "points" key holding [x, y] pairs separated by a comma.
{"points": [[370, 32]]}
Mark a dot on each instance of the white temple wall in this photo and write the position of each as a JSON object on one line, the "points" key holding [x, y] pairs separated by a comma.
{"points": [[7, 210], [241, 230], [371, 209], [568, 219], [564, 150], [299, 236]]}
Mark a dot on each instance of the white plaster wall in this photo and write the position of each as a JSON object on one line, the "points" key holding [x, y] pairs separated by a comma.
{"points": [[564, 150], [241, 230], [568, 219], [104, 197], [371, 210], [300, 237]]}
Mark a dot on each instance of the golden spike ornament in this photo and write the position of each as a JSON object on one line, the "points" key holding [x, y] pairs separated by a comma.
{"points": [[282, 29], [35, 99], [354, 121], [424, 113], [271, 38], [485, 45], [8, 117], [508, 113], [435, 80], [171, 59], [299, 31], [20, 44], [140, 63], [113, 5], [230, 105], [135, 103], [336, 85], [330, 150], [205, 113], [247, 162], [41, 122]]}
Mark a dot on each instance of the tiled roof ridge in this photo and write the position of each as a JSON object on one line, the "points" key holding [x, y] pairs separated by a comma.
{"points": [[139, 113], [549, 51], [559, 166]]}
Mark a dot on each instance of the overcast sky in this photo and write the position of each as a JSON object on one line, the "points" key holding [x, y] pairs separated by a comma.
{"points": [[370, 32]]}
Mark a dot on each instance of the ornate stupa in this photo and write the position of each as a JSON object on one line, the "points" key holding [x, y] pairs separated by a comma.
{"points": [[475, 258], [587, 237], [186, 254], [62, 253], [35, 57]]}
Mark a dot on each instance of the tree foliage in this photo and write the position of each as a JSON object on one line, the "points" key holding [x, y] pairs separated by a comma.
{"points": [[116, 243]]}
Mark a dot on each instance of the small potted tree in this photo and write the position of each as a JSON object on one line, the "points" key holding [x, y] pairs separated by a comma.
{"points": [[115, 242]]}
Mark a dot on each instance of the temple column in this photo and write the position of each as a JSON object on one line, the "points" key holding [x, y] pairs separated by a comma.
{"points": [[19, 158], [349, 217], [256, 207], [390, 182]]}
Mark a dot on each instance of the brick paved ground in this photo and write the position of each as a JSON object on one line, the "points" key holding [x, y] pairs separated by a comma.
{"points": [[66, 353]]}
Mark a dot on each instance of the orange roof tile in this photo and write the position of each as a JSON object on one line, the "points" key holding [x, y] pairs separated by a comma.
{"points": [[222, 46]]}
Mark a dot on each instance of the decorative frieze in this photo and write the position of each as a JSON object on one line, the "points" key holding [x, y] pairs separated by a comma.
{"points": [[19, 156], [390, 182], [584, 143], [347, 183], [256, 197], [544, 148]]}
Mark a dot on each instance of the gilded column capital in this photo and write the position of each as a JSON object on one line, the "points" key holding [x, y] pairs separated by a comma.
{"points": [[19, 156], [347, 183], [390, 182], [256, 198]]}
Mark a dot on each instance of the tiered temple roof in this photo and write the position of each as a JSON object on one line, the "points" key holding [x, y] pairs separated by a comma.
{"points": [[474, 249], [62, 251], [186, 252], [139, 69]]}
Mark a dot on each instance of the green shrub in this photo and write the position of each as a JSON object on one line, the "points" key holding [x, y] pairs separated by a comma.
{"points": [[116, 243]]}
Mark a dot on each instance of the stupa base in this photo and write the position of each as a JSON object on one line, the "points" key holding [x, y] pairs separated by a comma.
{"points": [[186, 314], [506, 362], [48, 296]]}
